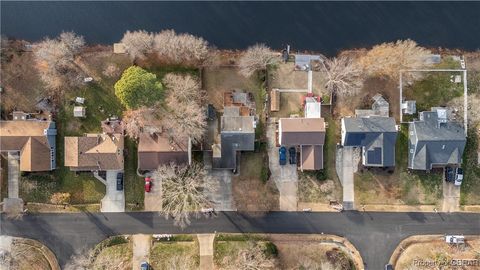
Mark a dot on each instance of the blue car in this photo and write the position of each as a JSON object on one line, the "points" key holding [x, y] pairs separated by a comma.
{"points": [[282, 155], [144, 266]]}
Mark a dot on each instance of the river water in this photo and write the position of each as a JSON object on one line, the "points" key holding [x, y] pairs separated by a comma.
{"points": [[318, 26]]}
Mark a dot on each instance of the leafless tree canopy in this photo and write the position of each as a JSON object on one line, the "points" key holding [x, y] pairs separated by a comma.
{"points": [[72, 41], [180, 48], [55, 60], [388, 59], [344, 76], [257, 57], [253, 258], [135, 121], [138, 43], [184, 191], [185, 116]]}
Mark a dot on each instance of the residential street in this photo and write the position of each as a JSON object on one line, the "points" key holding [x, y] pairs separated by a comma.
{"points": [[374, 234]]}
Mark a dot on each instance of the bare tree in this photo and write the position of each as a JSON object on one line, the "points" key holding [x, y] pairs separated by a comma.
{"points": [[135, 121], [181, 48], [183, 88], [55, 61], [253, 258], [185, 116], [343, 76], [186, 120], [137, 43], [388, 59], [72, 41], [257, 57], [185, 191]]}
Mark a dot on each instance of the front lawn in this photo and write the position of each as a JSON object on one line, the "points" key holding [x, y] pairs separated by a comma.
{"points": [[470, 189], [178, 252], [400, 186]]}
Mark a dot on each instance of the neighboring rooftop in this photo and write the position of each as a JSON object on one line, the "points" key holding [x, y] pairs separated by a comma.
{"points": [[94, 152], [33, 139], [237, 129], [376, 135], [155, 149], [435, 141], [301, 131], [309, 135]]}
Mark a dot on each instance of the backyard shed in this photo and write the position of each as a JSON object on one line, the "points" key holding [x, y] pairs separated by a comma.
{"points": [[79, 111]]}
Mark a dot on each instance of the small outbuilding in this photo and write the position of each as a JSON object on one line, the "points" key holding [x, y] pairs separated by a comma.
{"points": [[79, 111]]}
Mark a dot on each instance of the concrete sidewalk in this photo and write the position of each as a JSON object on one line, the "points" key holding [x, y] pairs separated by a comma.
{"points": [[205, 242]]}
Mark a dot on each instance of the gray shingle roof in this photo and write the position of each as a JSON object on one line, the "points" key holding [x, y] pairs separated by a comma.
{"points": [[378, 137], [434, 142]]}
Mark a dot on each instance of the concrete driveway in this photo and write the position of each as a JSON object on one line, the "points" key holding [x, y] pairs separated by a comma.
{"points": [[345, 169], [222, 196], [153, 199], [114, 200], [451, 197], [13, 175], [285, 176]]}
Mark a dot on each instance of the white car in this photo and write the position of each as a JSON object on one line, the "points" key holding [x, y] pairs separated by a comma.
{"points": [[455, 239], [458, 176]]}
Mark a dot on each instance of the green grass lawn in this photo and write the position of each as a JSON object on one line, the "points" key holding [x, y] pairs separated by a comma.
{"points": [[164, 254], [470, 189], [435, 89]]}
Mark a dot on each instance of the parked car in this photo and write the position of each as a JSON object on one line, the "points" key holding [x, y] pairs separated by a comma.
{"points": [[292, 157], [388, 267], [458, 176], [119, 181], [144, 266], [449, 174], [148, 184], [282, 155]]}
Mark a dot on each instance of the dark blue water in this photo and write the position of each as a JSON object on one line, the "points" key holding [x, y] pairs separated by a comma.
{"points": [[320, 26]]}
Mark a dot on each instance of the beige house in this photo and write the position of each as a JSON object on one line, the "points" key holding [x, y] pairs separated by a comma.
{"points": [[33, 140], [308, 135], [94, 152]]}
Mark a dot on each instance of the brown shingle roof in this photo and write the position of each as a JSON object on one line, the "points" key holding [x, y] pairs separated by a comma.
{"points": [[157, 149], [312, 157], [302, 131], [94, 152], [29, 139]]}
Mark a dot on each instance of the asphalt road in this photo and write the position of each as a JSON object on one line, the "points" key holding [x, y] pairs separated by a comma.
{"points": [[374, 234]]}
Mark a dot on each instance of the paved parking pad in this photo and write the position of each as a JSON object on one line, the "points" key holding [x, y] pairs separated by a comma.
{"points": [[114, 200]]}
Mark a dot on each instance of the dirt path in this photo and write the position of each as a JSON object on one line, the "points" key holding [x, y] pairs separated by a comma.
{"points": [[141, 249], [205, 242]]}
